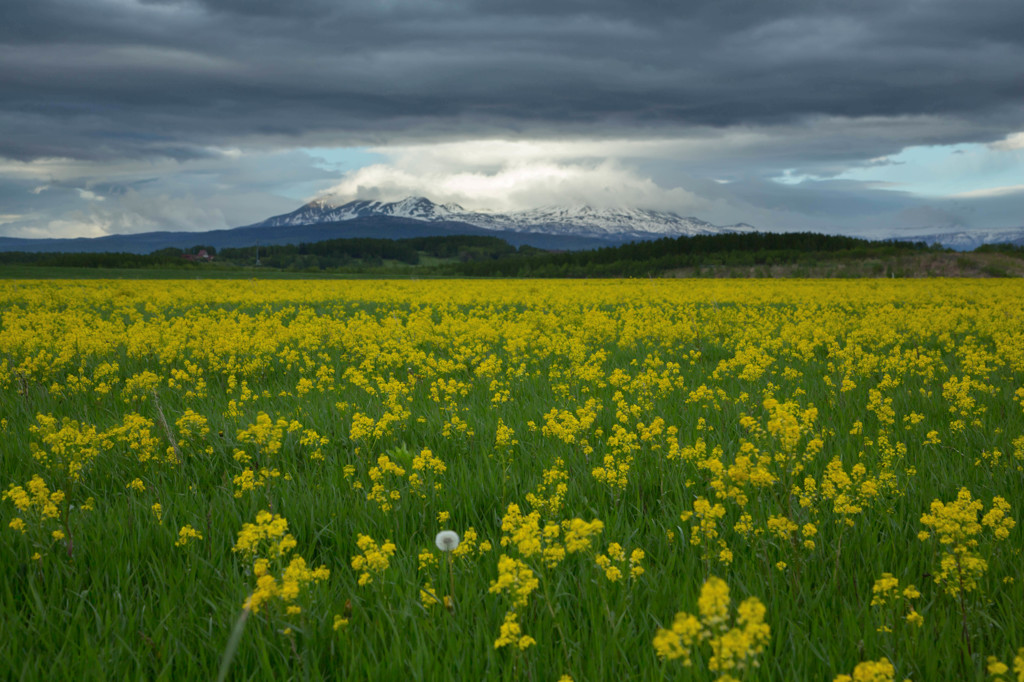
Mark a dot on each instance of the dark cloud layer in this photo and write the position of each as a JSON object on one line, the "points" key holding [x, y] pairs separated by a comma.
{"points": [[126, 79], [131, 115]]}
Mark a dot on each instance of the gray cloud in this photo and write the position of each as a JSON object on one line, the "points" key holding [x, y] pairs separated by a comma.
{"points": [[741, 91], [208, 191], [112, 77]]}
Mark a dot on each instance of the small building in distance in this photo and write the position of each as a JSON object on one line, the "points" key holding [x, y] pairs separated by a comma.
{"points": [[201, 256]]}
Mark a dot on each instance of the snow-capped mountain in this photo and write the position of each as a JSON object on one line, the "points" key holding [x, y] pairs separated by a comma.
{"points": [[321, 211], [599, 222], [970, 240], [587, 221]]}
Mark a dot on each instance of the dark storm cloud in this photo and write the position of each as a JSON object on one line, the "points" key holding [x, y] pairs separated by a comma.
{"points": [[121, 78]]}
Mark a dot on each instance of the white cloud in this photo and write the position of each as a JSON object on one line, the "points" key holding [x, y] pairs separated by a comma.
{"points": [[1009, 143], [74, 224], [990, 192], [223, 188], [507, 173], [89, 195], [130, 213], [503, 175], [719, 174]]}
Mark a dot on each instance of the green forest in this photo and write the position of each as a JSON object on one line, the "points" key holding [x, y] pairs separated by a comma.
{"points": [[735, 255]]}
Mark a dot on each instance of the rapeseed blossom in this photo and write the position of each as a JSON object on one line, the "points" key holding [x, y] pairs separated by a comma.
{"points": [[895, 603], [959, 531], [776, 428], [267, 543], [186, 534], [734, 640], [512, 635], [373, 560], [38, 499], [870, 671]]}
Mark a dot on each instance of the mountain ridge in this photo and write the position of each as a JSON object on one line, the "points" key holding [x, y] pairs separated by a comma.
{"points": [[550, 227], [374, 227], [968, 240], [580, 220]]}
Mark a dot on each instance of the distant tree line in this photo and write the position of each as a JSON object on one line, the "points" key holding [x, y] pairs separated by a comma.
{"points": [[486, 256], [638, 259], [365, 252], [95, 260], [1015, 250]]}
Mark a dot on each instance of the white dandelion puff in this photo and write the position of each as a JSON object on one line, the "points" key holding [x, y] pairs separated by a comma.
{"points": [[447, 540]]}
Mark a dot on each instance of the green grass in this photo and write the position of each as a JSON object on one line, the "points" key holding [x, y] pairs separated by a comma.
{"points": [[123, 602]]}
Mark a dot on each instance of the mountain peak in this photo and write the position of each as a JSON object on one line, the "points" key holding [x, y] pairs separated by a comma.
{"points": [[619, 223], [414, 201]]}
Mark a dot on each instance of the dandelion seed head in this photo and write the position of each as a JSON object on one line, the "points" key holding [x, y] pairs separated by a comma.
{"points": [[447, 540]]}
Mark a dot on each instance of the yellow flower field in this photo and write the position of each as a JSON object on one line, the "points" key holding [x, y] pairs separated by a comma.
{"points": [[648, 479]]}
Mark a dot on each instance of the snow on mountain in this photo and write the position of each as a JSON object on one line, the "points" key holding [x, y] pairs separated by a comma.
{"points": [[612, 222], [970, 240], [605, 224], [574, 220], [321, 211]]}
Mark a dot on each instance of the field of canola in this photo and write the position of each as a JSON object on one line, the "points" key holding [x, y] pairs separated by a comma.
{"points": [[731, 480]]}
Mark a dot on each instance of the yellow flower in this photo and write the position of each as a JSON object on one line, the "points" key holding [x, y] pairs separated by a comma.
{"points": [[374, 559], [427, 560], [678, 641], [732, 647], [870, 671], [958, 530], [515, 578], [883, 588], [268, 535], [511, 634], [185, 534]]}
